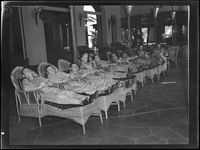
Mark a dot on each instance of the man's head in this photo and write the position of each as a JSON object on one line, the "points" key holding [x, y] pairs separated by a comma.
{"points": [[85, 58]]}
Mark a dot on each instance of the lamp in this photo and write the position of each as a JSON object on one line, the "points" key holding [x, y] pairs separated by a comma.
{"points": [[155, 13], [129, 9], [173, 13]]}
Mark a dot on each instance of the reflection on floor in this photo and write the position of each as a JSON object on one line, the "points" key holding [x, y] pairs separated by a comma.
{"points": [[157, 116]]}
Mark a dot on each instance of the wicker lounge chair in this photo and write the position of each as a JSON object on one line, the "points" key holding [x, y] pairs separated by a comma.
{"points": [[127, 85], [140, 77], [162, 69], [150, 73], [29, 104], [32, 104], [63, 65], [173, 55], [111, 98]]}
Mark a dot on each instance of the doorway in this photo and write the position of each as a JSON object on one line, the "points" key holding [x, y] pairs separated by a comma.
{"points": [[57, 29]]}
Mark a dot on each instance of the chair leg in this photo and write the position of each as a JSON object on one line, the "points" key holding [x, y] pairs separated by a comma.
{"points": [[152, 79], [118, 104], [132, 95], [106, 113], [40, 123], [124, 103], [100, 116], [135, 92], [163, 73], [83, 129], [168, 66], [176, 64], [158, 75], [19, 118], [143, 83]]}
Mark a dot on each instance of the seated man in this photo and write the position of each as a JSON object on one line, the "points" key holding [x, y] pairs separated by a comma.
{"points": [[84, 62], [108, 55], [100, 63], [114, 58], [124, 56], [157, 54], [50, 94]]}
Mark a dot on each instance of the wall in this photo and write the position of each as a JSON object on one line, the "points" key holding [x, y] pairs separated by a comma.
{"points": [[112, 10], [80, 30], [34, 36]]}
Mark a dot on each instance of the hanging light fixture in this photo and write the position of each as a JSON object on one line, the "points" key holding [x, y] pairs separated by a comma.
{"points": [[129, 9], [155, 13], [173, 13], [156, 9]]}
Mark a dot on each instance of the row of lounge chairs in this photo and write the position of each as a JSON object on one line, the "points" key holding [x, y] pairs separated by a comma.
{"points": [[32, 104]]}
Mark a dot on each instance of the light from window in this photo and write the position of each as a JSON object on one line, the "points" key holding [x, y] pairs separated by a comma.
{"points": [[144, 34], [91, 21]]}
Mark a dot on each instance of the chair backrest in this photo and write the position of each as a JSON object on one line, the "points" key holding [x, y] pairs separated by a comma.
{"points": [[42, 68], [21, 96], [16, 76], [173, 52], [185, 54], [63, 65]]}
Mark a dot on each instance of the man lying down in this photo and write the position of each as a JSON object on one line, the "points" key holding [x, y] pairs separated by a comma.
{"points": [[31, 81]]}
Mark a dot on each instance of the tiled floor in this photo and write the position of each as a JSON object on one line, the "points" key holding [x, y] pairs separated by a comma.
{"points": [[157, 116]]}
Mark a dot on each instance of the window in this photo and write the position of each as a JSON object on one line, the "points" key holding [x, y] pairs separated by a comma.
{"points": [[168, 32], [144, 35], [91, 23]]}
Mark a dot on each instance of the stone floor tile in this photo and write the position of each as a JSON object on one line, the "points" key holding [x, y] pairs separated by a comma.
{"points": [[55, 138], [181, 128], [117, 140], [152, 139], [148, 122], [173, 115], [80, 140], [178, 141], [61, 128], [134, 133], [21, 139], [105, 130], [165, 133], [159, 105], [144, 109]]}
